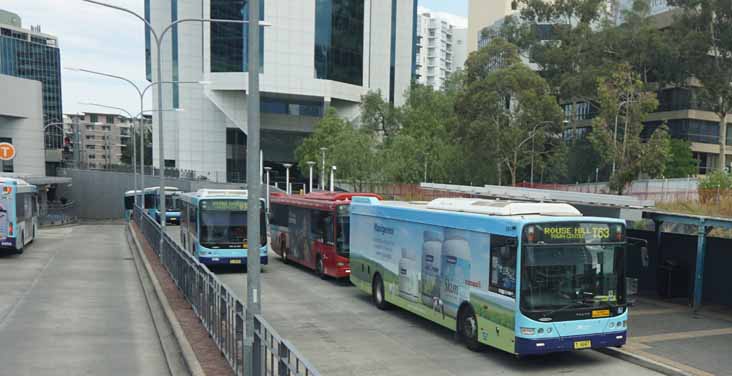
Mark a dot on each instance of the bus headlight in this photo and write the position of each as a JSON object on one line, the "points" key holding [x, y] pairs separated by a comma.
{"points": [[612, 325], [541, 331], [528, 331], [548, 330]]}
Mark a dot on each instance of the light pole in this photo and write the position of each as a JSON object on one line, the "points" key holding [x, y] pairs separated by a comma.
{"points": [[332, 178], [532, 135], [267, 170], [141, 91], [615, 132], [322, 175], [287, 178], [310, 165]]}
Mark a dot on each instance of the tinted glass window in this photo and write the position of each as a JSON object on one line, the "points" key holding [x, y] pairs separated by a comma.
{"points": [[339, 40], [229, 44]]}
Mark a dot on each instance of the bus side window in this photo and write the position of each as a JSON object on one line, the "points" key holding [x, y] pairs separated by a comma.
{"points": [[193, 212], [503, 265], [34, 205], [316, 224], [328, 229], [20, 207]]}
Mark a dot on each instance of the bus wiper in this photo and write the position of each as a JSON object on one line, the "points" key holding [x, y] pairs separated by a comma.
{"points": [[577, 304]]}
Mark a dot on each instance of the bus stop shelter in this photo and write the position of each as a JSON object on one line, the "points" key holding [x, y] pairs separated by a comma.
{"points": [[704, 226]]}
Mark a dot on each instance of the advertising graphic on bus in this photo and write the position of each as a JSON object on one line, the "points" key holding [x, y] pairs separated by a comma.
{"points": [[214, 226], [313, 230], [172, 204], [526, 278], [18, 214]]}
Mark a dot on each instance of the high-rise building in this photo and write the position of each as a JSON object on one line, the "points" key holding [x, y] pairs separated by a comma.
{"points": [[482, 14], [316, 55], [34, 55], [441, 49], [103, 138]]}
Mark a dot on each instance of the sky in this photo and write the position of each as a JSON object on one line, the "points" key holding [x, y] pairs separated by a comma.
{"points": [[101, 39]]}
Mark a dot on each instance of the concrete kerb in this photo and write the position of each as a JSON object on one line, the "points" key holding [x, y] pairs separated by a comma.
{"points": [[192, 363], [644, 362]]}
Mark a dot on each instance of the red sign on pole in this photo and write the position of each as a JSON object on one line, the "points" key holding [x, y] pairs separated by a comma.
{"points": [[7, 151]]}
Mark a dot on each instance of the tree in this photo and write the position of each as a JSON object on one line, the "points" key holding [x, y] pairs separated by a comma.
{"points": [[704, 33], [351, 150], [379, 116], [681, 162], [126, 157], [504, 109], [617, 131]]}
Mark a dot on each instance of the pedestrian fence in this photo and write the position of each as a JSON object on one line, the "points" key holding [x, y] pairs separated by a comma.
{"points": [[222, 313]]}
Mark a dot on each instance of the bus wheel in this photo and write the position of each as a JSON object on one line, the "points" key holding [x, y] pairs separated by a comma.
{"points": [[377, 293], [19, 250], [320, 267], [284, 255], [468, 329]]}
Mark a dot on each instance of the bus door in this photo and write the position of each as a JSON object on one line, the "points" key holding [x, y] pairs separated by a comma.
{"points": [[322, 230], [299, 235]]}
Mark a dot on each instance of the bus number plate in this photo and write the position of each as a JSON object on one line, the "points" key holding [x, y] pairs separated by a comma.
{"points": [[234, 261], [582, 345]]}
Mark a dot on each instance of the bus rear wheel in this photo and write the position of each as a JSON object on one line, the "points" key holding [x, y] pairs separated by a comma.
{"points": [[468, 329], [19, 249], [377, 293]]}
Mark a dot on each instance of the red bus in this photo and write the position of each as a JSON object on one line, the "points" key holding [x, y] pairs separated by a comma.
{"points": [[313, 230]]}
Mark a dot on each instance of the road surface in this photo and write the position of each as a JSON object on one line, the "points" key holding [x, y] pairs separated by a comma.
{"points": [[342, 333], [72, 304]]}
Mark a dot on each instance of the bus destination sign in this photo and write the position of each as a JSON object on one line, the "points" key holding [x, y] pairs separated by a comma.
{"points": [[551, 233], [224, 205]]}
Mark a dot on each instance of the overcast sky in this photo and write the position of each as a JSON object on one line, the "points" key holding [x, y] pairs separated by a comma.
{"points": [[110, 41]]}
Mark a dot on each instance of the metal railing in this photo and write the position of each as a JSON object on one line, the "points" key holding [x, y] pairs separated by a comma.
{"points": [[222, 313]]}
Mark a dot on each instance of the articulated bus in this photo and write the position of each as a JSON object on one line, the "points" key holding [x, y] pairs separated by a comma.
{"points": [[526, 278], [130, 202], [313, 230], [214, 226], [18, 214], [172, 205]]}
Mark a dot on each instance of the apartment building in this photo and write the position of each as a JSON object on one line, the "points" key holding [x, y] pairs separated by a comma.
{"points": [[441, 49], [103, 138]]}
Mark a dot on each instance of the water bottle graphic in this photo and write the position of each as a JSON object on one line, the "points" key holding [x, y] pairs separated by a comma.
{"points": [[455, 270], [431, 260], [408, 276]]}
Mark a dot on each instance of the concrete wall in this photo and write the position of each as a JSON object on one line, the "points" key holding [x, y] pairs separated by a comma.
{"points": [[100, 194], [21, 118], [682, 248]]}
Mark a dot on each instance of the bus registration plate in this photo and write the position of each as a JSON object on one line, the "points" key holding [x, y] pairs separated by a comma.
{"points": [[234, 261], [582, 345]]}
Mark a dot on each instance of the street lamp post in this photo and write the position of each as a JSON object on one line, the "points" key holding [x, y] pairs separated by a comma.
{"points": [[310, 165], [332, 178], [267, 170], [322, 174], [288, 190], [532, 135]]}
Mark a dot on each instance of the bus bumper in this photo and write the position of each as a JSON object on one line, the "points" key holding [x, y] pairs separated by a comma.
{"points": [[263, 260], [525, 346]]}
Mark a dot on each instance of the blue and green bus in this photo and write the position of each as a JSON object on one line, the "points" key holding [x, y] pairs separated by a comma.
{"points": [[214, 226], [18, 214], [526, 278], [172, 204], [130, 202]]}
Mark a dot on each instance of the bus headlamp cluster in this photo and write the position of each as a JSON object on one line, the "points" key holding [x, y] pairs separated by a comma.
{"points": [[532, 331], [619, 324]]}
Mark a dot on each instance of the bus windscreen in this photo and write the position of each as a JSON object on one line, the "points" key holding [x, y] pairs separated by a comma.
{"points": [[224, 224], [566, 267]]}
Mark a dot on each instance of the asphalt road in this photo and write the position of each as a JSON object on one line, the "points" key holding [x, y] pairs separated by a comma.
{"points": [[72, 304], [337, 328]]}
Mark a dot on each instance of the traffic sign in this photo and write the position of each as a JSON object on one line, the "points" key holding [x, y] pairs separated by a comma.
{"points": [[7, 151]]}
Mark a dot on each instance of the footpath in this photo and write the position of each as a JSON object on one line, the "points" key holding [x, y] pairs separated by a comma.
{"points": [[697, 344]]}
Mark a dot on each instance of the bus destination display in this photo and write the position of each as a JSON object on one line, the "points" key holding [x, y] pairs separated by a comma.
{"points": [[224, 205], [574, 233]]}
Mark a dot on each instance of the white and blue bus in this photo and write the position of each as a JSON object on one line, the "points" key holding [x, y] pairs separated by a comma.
{"points": [[130, 202], [172, 204], [18, 214], [526, 278], [214, 226]]}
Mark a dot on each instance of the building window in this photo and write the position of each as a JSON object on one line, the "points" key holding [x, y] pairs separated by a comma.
{"points": [[106, 128], [93, 118], [339, 40], [90, 127], [291, 107], [90, 137], [92, 156], [109, 119], [229, 42], [170, 163], [91, 147]]}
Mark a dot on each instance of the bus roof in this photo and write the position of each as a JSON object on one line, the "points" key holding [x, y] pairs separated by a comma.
{"points": [[203, 194], [155, 189], [508, 217], [319, 200], [131, 193], [21, 185]]}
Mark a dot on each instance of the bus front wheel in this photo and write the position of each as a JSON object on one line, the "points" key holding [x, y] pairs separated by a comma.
{"points": [[377, 293], [320, 267], [468, 329]]}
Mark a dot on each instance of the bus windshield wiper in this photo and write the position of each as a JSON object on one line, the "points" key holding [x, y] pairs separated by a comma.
{"points": [[576, 304]]}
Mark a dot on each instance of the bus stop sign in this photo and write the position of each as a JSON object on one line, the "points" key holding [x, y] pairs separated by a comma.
{"points": [[7, 151]]}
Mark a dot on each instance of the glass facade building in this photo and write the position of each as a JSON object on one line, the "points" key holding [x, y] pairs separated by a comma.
{"points": [[25, 54], [339, 30], [229, 42]]}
